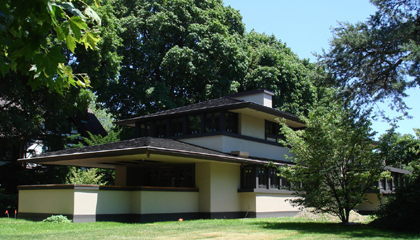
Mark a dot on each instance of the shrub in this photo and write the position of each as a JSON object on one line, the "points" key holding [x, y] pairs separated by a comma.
{"points": [[57, 219], [402, 210]]}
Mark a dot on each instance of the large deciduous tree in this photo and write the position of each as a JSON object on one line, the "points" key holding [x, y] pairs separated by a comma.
{"points": [[272, 65], [379, 58], [175, 52], [334, 160]]}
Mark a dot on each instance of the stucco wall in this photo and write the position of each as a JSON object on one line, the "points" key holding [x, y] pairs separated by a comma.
{"points": [[274, 203], [91, 202], [371, 205], [252, 126], [218, 184], [248, 202], [225, 182], [46, 201], [88, 202], [169, 202], [228, 144]]}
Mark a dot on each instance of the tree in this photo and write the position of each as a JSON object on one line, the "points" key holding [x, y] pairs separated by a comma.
{"points": [[33, 34], [334, 160], [272, 65], [401, 210], [377, 59], [398, 150], [174, 53], [85, 176]]}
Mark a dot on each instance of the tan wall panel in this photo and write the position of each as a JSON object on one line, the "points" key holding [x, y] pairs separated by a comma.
{"points": [[102, 202], [46, 201], [212, 142], [136, 202], [202, 182], [168, 202], [252, 126], [248, 202], [254, 149], [371, 205], [274, 203], [225, 182], [121, 176]]}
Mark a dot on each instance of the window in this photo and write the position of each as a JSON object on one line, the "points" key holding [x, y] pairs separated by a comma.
{"points": [[212, 122], [248, 177], [169, 176], [177, 126], [231, 122], [262, 177], [161, 128], [272, 131], [194, 124], [274, 179], [145, 129]]}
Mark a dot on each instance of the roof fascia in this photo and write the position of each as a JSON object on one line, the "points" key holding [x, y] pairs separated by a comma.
{"points": [[232, 106]]}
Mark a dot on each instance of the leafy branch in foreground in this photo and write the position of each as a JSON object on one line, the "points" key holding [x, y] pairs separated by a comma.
{"points": [[32, 36], [334, 160]]}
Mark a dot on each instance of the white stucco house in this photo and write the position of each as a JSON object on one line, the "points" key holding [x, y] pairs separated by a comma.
{"points": [[205, 160]]}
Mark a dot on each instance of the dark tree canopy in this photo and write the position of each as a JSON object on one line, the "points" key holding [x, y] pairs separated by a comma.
{"points": [[174, 53], [272, 65], [379, 58]]}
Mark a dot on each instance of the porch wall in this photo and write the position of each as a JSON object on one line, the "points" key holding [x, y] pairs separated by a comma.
{"points": [[92, 203]]}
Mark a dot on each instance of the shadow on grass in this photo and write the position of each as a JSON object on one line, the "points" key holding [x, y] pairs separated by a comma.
{"points": [[345, 231]]}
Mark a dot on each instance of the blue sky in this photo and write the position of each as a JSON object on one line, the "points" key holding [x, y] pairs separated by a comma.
{"points": [[305, 27]]}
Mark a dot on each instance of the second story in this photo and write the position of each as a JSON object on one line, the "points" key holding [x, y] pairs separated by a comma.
{"points": [[244, 123]]}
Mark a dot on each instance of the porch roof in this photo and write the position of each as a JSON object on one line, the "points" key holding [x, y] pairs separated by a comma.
{"points": [[138, 152]]}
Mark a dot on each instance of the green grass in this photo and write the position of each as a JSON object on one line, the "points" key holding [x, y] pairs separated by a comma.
{"points": [[269, 228]]}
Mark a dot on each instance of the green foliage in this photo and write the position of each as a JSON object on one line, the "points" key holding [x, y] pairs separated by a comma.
{"points": [[272, 65], [94, 140], [175, 53], [33, 34], [7, 201], [399, 150], [85, 176], [334, 160], [380, 58], [402, 210], [57, 219], [94, 175]]}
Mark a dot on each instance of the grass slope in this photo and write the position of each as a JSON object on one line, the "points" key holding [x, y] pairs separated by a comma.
{"points": [[271, 228]]}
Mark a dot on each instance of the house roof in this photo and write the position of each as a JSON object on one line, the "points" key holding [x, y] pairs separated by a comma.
{"points": [[138, 151], [223, 103]]}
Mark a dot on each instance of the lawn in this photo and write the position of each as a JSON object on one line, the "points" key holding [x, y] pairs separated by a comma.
{"points": [[268, 228]]}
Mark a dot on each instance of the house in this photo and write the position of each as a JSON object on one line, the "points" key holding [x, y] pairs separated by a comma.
{"points": [[205, 160]]}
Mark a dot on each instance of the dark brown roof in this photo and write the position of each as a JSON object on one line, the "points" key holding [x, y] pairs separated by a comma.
{"points": [[136, 143], [226, 103]]}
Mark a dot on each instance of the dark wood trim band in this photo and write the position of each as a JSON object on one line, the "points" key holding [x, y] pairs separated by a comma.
{"points": [[110, 188]]}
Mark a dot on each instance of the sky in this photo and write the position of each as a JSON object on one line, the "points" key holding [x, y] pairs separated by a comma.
{"points": [[305, 27]]}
